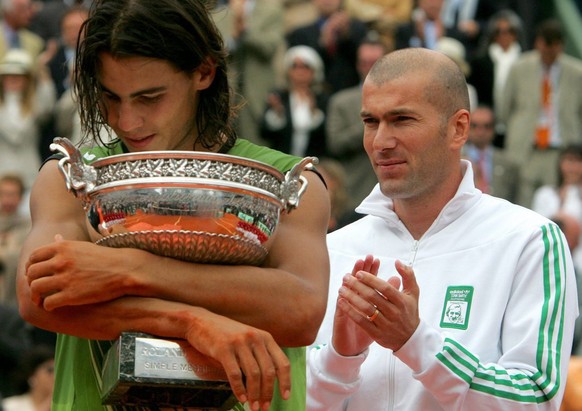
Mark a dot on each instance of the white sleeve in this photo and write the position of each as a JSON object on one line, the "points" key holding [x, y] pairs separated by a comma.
{"points": [[331, 378], [535, 344]]}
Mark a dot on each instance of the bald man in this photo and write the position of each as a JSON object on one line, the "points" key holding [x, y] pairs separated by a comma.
{"points": [[430, 245]]}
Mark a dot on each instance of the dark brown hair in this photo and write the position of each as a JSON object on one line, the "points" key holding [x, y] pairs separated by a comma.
{"points": [[180, 32]]}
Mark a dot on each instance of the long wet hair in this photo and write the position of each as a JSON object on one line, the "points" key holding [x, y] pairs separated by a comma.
{"points": [[180, 32]]}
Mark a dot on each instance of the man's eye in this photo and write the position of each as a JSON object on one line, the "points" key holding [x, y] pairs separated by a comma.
{"points": [[110, 97], [369, 121], [404, 118], [151, 99]]}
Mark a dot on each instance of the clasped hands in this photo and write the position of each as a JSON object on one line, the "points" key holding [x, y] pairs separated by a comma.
{"points": [[372, 309]]}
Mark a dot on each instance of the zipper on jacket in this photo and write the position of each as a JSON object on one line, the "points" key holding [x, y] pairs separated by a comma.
{"points": [[413, 252], [391, 383]]}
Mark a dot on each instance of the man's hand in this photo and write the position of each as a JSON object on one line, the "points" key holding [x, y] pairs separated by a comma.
{"points": [[383, 312], [348, 338], [251, 358], [67, 273]]}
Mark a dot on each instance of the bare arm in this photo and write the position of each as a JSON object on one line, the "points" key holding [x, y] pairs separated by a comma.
{"points": [[71, 273], [241, 349]]}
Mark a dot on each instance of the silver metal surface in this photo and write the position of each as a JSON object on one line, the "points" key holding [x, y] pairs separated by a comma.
{"points": [[202, 207], [195, 206]]}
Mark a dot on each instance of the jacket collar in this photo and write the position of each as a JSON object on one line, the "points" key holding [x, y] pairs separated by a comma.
{"points": [[381, 206]]}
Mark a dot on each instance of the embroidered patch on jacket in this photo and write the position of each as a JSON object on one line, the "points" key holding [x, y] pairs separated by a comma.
{"points": [[457, 307]]}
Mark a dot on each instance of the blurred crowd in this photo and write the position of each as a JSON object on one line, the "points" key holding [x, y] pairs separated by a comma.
{"points": [[296, 67]]}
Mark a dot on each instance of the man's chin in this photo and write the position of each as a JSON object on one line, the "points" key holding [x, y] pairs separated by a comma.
{"points": [[392, 190]]}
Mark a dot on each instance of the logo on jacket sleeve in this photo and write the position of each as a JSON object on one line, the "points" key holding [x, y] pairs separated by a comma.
{"points": [[457, 307]]}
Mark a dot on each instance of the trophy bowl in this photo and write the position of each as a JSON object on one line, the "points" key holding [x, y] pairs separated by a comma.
{"points": [[195, 206]]}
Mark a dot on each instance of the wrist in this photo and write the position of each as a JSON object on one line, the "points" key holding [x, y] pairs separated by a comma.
{"points": [[178, 322], [142, 277]]}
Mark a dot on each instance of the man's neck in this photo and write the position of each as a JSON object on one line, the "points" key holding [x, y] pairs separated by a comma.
{"points": [[417, 218], [419, 214]]}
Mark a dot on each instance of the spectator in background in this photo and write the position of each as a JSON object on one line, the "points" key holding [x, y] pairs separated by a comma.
{"points": [[469, 18], [532, 13], [27, 98], [46, 21], [61, 63], [542, 109], [336, 37], [494, 173], [564, 204], [345, 130], [14, 227], [298, 13], [502, 46], [294, 120], [34, 379], [373, 11], [425, 27], [16, 17], [455, 50], [64, 121], [253, 34], [564, 197], [381, 16]]}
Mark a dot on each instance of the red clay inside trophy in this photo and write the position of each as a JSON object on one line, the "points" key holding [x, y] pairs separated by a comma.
{"points": [[194, 206]]}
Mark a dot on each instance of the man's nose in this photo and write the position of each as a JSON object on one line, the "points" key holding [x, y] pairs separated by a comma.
{"points": [[385, 137], [128, 118]]}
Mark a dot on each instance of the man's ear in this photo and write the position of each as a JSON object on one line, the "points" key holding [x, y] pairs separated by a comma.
{"points": [[204, 74], [460, 123]]}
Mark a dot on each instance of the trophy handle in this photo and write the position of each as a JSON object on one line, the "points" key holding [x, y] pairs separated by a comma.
{"points": [[295, 184], [80, 178]]}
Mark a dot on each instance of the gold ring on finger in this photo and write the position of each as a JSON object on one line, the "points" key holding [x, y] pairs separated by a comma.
{"points": [[372, 317]]}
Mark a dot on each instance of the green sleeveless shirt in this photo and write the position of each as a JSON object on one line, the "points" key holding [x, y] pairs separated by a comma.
{"points": [[79, 361]]}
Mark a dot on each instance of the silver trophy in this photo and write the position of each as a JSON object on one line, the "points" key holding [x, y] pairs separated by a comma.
{"points": [[195, 206]]}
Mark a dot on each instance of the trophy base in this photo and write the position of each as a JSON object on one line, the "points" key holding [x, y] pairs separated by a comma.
{"points": [[141, 370]]}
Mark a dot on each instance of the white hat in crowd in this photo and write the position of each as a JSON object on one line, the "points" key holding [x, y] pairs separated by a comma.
{"points": [[455, 50], [308, 56], [16, 61]]}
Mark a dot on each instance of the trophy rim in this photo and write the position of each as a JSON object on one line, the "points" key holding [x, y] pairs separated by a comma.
{"points": [[188, 155], [190, 183]]}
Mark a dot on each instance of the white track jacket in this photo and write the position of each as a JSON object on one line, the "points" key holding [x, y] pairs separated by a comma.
{"points": [[497, 306]]}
